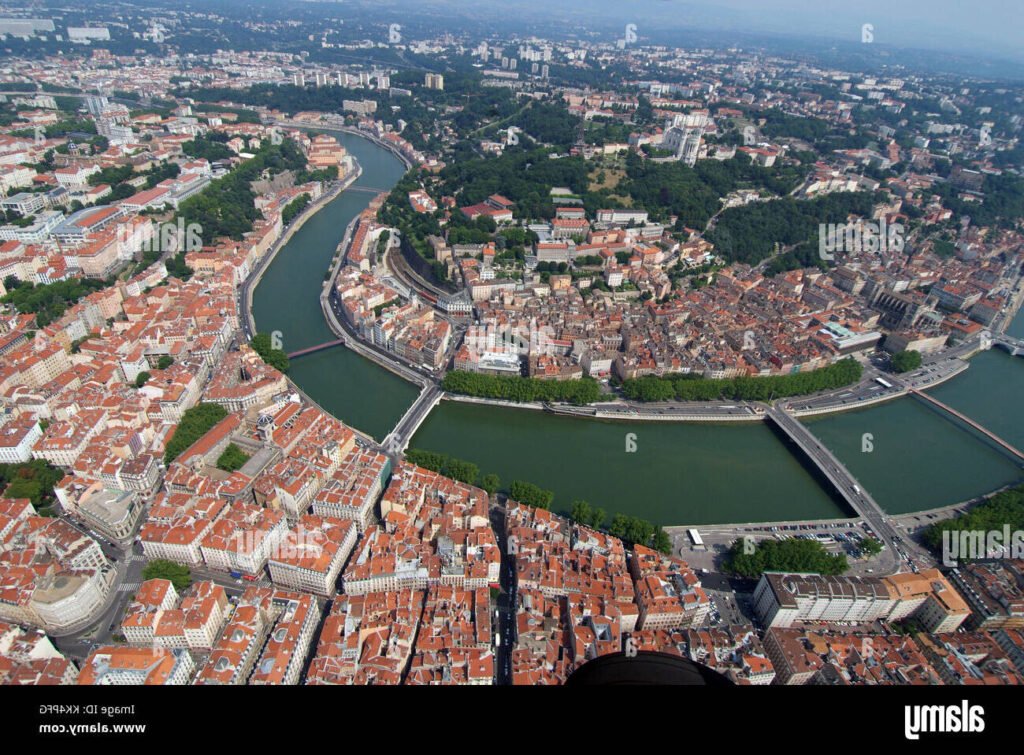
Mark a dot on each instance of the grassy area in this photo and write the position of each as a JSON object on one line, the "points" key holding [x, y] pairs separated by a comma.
{"points": [[612, 178]]}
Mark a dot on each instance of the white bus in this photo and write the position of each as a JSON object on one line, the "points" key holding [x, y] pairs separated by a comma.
{"points": [[695, 538], [883, 383]]}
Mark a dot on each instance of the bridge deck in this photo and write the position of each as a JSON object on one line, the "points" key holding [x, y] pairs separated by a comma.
{"points": [[970, 422], [318, 347]]}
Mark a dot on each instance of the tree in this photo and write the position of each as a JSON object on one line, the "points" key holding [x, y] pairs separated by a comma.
{"points": [[195, 423], [790, 555], [48, 301], [689, 387], [449, 466], [490, 483], [296, 206], [460, 470], [164, 362], [1005, 509], [582, 513], [662, 542], [598, 518], [871, 546], [531, 495], [521, 389], [619, 526], [33, 480], [178, 574], [141, 379], [276, 358], [905, 361], [232, 459]]}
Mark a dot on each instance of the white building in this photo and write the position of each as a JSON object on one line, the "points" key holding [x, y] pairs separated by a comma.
{"points": [[65, 599], [17, 439], [683, 135]]}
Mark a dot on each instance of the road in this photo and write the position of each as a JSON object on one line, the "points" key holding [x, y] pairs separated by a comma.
{"points": [[396, 442], [504, 609], [934, 369], [846, 485], [414, 373], [100, 630]]}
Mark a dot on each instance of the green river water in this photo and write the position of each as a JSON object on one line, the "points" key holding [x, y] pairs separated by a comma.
{"points": [[680, 473]]}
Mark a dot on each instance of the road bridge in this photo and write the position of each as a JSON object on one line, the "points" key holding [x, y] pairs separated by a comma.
{"points": [[844, 483], [1008, 343], [399, 438]]}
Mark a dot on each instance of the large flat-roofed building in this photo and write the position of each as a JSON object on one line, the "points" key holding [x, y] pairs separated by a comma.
{"points": [[930, 599], [782, 600], [66, 598], [77, 228]]}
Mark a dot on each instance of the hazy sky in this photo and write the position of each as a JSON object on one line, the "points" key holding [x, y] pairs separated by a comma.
{"points": [[987, 27]]}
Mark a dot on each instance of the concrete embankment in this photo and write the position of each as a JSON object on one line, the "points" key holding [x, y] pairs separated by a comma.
{"points": [[352, 340], [250, 284], [493, 402], [650, 416]]}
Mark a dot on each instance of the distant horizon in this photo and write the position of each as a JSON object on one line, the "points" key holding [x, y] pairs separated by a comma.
{"points": [[989, 29]]}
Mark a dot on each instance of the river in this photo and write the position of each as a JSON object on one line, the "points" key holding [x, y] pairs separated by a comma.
{"points": [[917, 457], [352, 388], [680, 473]]}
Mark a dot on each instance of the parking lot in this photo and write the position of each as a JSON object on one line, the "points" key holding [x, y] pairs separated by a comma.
{"points": [[840, 536]]}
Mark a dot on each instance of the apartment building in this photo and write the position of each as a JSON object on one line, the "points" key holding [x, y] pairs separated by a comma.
{"points": [[311, 555], [782, 600], [18, 436], [113, 665], [235, 652], [284, 655], [353, 490]]}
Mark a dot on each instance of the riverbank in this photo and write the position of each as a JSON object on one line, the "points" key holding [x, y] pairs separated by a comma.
{"points": [[351, 131], [664, 471], [253, 280], [353, 340], [493, 402], [709, 412]]}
